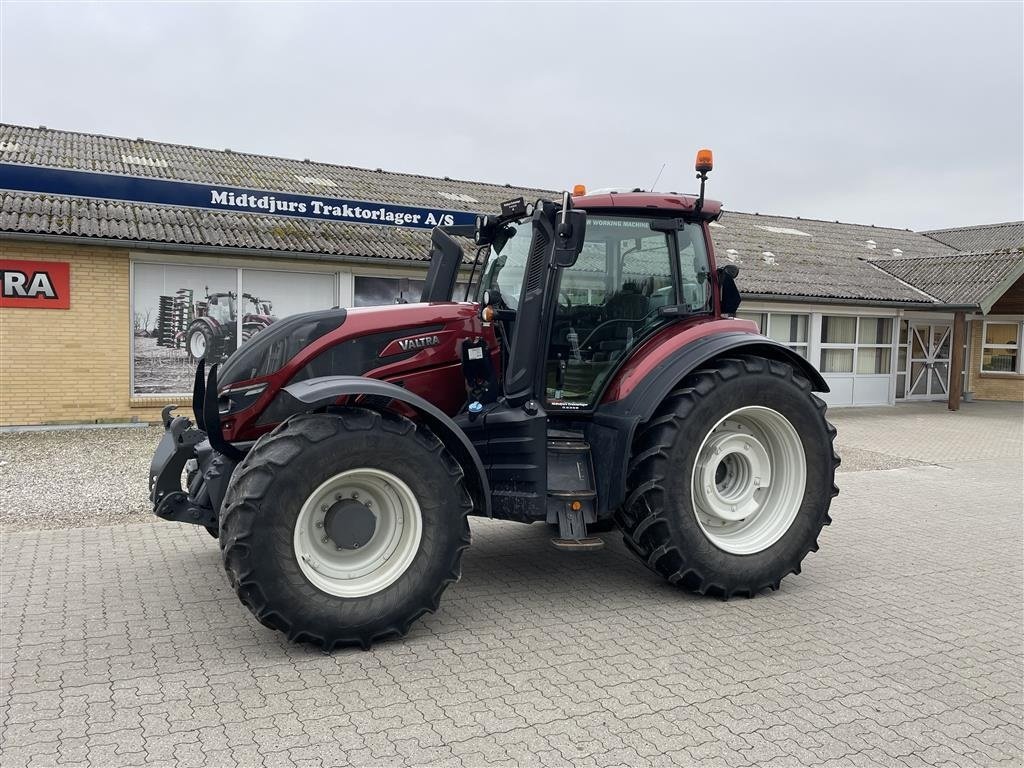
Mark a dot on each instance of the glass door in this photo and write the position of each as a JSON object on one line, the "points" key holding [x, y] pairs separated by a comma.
{"points": [[928, 375]]}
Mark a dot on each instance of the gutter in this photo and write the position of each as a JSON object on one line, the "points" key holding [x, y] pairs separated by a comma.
{"points": [[845, 302], [219, 250]]}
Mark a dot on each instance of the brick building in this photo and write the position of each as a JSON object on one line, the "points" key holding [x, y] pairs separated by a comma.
{"points": [[140, 238]]}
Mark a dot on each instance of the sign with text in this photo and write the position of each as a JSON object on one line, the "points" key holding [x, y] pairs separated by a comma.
{"points": [[35, 284], [110, 186]]}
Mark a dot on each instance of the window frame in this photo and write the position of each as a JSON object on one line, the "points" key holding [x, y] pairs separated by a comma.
{"points": [[802, 348], [1019, 369], [856, 345]]}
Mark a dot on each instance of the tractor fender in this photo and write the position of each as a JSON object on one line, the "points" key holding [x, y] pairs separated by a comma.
{"points": [[615, 423], [212, 324], [325, 390]]}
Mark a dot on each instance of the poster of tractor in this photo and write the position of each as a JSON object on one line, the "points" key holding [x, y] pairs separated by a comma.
{"points": [[207, 328], [184, 313]]}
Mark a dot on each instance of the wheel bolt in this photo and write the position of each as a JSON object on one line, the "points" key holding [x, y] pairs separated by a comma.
{"points": [[319, 524], [337, 497], [355, 494], [324, 539], [323, 507], [368, 503]]}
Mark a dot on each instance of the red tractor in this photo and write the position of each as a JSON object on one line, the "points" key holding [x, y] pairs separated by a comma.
{"points": [[211, 335], [598, 379]]}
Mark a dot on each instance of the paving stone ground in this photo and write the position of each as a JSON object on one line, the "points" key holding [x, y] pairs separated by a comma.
{"points": [[900, 643]]}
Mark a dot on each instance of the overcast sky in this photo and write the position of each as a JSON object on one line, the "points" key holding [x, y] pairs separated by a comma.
{"points": [[899, 115]]}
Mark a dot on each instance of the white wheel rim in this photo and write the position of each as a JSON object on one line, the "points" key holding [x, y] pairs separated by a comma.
{"points": [[375, 564], [749, 480], [197, 344]]}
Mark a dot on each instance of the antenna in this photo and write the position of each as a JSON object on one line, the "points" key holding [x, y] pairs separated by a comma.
{"points": [[658, 177]]}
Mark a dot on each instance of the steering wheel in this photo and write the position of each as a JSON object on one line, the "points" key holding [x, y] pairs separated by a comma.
{"points": [[636, 323]]}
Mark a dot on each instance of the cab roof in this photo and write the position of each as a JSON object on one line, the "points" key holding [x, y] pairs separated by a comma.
{"points": [[645, 201]]}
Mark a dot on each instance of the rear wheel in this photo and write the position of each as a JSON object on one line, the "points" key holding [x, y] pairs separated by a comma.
{"points": [[731, 480], [342, 529]]}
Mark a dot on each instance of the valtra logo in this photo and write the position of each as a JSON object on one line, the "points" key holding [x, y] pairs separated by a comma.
{"points": [[35, 284], [420, 342]]}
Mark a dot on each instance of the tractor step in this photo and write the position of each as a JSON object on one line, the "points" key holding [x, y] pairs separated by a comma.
{"points": [[589, 544], [572, 498]]}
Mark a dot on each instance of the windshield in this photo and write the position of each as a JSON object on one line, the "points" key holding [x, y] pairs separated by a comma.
{"points": [[505, 266], [618, 251]]}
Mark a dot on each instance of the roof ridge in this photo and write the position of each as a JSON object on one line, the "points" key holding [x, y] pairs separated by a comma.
{"points": [[971, 227], [824, 221], [44, 129], [957, 254], [903, 282]]}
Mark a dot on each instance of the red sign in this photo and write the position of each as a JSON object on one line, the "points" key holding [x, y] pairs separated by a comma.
{"points": [[35, 284]]}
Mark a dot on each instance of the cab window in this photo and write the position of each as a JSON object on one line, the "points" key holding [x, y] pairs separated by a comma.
{"points": [[609, 301]]}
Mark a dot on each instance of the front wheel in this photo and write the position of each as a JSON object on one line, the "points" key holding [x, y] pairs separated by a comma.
{"points": [[342, 529], [731, 481], [201, 343]]}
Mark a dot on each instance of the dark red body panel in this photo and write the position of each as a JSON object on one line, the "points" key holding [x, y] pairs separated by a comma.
{"points": [[433, 372], [664, 345]]}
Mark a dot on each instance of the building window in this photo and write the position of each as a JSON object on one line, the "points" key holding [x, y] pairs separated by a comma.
{"points": [[874, 345], [838, 342], [375, 291], [184, 312], [1000, 351], [861, 345], [179, 311], [785, 327], [760, 319], [790, 329]]}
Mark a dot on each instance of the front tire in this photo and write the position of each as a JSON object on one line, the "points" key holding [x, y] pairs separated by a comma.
{"points": [[343, 529], [731, 480], [201, 343]]}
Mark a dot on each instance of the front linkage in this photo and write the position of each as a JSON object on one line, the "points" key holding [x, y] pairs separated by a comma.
{"points": [[209, 459]]}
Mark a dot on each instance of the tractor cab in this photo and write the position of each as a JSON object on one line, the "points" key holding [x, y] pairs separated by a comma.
{"points": [[221, 307], [635, 274]]}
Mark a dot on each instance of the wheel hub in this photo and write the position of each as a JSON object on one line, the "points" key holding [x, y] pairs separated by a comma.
{"points": [[749, 480], [357, 532], [350, 524], [735, 470]]}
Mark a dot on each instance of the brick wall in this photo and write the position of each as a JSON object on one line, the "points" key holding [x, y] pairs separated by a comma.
{"points": [[990, 386], [70, 365]]}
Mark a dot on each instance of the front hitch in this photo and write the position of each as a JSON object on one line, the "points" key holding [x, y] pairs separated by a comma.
{"points": [[176, 447]]}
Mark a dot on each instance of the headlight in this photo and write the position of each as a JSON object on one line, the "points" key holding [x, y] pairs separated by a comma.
{"points": [[233, 401]]}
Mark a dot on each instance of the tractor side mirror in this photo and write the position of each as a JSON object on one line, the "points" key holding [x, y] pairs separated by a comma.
{"points": [[570, 231], [729, 294]]}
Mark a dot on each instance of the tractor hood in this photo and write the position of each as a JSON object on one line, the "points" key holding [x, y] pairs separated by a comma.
{"points": [[352, 342]]}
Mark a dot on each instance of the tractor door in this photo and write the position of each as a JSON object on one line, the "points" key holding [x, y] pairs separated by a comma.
{"points": [[631, 271], [511, 434]]}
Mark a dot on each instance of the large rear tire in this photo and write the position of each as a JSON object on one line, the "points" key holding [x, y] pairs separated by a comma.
{"points": [[731, 480], [343, 529]]}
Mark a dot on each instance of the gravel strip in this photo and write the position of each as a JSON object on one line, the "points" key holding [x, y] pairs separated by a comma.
{"points": [[75, 478], [95, 477]]}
